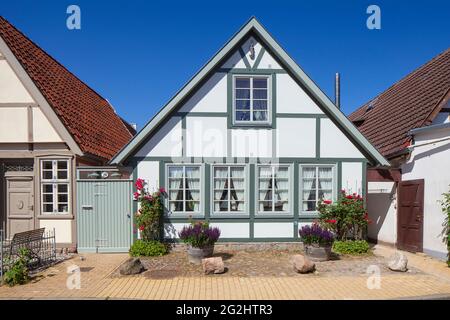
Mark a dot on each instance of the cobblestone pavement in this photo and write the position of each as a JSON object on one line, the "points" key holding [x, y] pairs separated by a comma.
{"points": [[98, 281]]}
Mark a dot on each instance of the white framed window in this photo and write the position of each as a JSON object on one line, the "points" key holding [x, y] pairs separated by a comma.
{"points": [[251, 99], [317, 183], [229, 185], [184, 188], [273, 188], [55, 186]]}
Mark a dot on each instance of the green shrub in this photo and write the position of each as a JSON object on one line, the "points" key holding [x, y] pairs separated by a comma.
{"points": [[18, 271], [142, 248], [351, 247]]}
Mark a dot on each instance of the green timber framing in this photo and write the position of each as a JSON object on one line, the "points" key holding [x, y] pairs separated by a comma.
{"points": [[252, 28]]}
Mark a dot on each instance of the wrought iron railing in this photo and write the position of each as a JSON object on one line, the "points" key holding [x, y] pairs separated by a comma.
{"points": [[40, 249]]}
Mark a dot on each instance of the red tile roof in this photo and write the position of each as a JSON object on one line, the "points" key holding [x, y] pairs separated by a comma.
{"points": [[410, 103], [90, 119]]}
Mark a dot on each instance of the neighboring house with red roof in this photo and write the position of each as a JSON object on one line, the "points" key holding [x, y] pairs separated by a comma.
{"points": [[50, 123], [409, 124]]}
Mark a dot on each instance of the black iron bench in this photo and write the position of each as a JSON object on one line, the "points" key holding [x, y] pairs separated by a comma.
{"points": [[29, 240]]}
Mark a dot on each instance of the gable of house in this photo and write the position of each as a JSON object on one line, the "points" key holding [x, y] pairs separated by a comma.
{"points": [[203, 110]]}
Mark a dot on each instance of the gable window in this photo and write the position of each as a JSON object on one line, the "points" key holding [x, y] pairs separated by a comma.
{"points": [[229, 189], [273, 189], [55, 186], [251, 99], [184, 187], [317, 184]]}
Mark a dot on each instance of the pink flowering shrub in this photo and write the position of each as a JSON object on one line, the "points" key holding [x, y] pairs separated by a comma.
{"points": [[346, 217], [149, 216]]}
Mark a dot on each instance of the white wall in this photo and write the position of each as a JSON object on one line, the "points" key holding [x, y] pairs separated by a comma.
{"points": [[382, 209], [333, 143], [43, 131], [352, 177], [13, 124], [233, 230], [274, 230], [431, 163], [211, 97], [251, 143], [149, 171], [166, 142], [11, 89], [63, 229], [291, 98], [304, 144], [206, 137]]}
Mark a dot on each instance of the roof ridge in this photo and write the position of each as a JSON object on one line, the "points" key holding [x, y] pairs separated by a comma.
{"points": [[51, 57], [404, 78]]}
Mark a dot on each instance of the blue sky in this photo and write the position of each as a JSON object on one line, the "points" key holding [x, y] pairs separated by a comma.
{"points": [[137, 54]]}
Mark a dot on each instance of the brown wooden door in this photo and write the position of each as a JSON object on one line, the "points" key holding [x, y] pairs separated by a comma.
{"points": [[410, 216]]}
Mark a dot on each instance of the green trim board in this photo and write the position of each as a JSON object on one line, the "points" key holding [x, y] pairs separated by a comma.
{"points": [[258, 59], [199, 160], [254, 27]]}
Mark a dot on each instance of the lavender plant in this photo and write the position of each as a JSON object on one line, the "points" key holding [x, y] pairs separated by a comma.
{"points": [[314, 234], [199, 234]]}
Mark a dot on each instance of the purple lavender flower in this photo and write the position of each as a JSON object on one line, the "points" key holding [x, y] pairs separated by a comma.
{"points": [[316, 234], [199, 234]]}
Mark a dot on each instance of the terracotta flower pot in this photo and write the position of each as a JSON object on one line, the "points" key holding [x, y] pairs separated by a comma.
{"points": [[316, 252], [195, 255]]}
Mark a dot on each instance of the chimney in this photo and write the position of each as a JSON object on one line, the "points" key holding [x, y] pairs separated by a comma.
{"points": [[133, 125], [337, 90]]}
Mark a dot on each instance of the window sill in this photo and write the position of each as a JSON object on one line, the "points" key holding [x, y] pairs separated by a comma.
{"points": [[273, 215], [181, 215], [251, 125], [55, 216], [229, 216]]}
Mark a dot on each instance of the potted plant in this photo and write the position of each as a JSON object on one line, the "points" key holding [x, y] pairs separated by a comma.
{"points": [[200, 238], [317, 242]]}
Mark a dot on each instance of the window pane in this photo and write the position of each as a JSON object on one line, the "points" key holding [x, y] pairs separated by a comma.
{"points": [[47, 175], [63, 188], [47, 165], [259, 94], [260, 115], [47, 188], [62, 165], [242, 93], [63, 208], [62, 175], [176, 206], [242, 104], [242, 82], [260, 83], [260, 105], [309, 205], [47, 198], [242, 116], [48, 207], [176, 172], [63, 198]]}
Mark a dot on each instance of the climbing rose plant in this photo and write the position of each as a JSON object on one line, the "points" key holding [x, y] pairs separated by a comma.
{"points": [[445, 204], [346, 217], [149, 216]]}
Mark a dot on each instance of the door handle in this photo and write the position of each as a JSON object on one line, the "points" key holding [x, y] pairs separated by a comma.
{"points": [[30, 207], [418, 218]]}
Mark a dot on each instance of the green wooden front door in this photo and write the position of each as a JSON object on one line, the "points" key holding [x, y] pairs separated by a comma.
{"points": [[104, 216]]}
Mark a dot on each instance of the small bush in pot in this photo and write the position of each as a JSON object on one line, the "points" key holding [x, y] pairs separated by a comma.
{"points": [[317, 242], [200, 238]]}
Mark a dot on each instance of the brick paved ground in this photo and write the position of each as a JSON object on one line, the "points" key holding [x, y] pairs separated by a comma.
{"points": [[98, 283]]}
